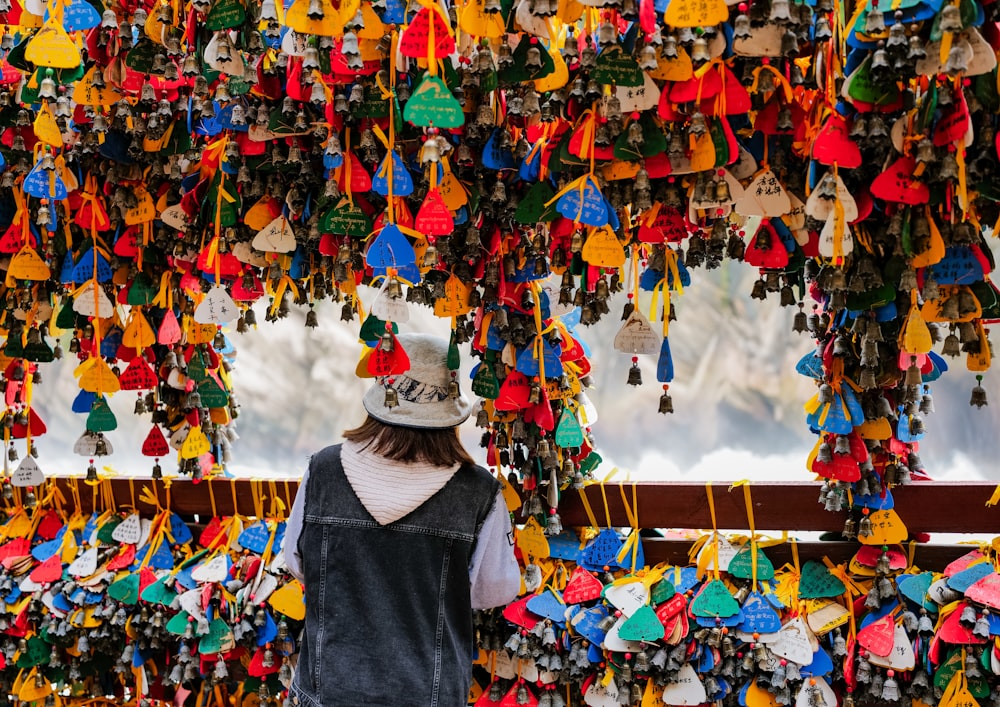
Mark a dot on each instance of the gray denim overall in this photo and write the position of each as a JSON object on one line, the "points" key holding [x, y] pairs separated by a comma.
{"points": [[388, 612]]}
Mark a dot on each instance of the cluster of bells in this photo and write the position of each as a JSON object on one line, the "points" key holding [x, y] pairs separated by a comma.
{"points": [[43, 634], [562, 663], [213, 110]]}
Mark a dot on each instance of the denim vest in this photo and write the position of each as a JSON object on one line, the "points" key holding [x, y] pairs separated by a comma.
{"points": [[388, 609]]}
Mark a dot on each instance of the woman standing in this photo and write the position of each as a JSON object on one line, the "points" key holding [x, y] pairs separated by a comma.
{"points": [[397, 536]]}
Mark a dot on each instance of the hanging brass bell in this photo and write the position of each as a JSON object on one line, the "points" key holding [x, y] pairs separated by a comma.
{"points": [[875, 22], [391, 397], [315, 11], [957, 61], [47, 87], [699, 50], [699, 125], [951, 19], [634, 374], [880, 61]]}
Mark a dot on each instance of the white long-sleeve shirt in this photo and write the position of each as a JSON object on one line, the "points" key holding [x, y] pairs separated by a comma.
{"points": [[391, 489]]}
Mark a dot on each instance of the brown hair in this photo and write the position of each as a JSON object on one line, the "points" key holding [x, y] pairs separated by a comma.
{"points": [[440, 447]]}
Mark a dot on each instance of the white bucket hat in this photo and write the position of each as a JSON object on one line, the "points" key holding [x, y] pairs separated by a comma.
{"points": [[423, 391]]}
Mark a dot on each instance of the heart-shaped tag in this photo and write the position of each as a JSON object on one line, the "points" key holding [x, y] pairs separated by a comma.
{"points": [[416, 40], [985, 591], [642, 625], [155, 444], [390, 360], [833, 144], [628, 597], [129, 531], [601, 552], [548, 605], [686, 688], [765, 249], [48, 571], [636, 336], [877, 637], [914, 588], [28, 473], [586, 623], [217, 307], [531, 540], [826, 617], [817, 582], [794, 642], [585, 204], [517, 613], [898, 183], [84, 565], [741, 566], [214, 570], [715, 600], [900, 657], [600, 695], [963, 580], [759, 616], [390, 249], [583, 586], [433, 104], [434, 218]]}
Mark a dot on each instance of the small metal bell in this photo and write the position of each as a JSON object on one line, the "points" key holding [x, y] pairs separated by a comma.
{"points": [[951, 19], [391, 397], [780, 11], [669, 48], [917, 50], [957, 58], [315, 11], [699, 50], [978, 398], [634, 374], [699, 125], [875, 22], [47, 88], [760, 652]]}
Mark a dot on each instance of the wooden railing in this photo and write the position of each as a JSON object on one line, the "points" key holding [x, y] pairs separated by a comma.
{"points": [[928, 507]]}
